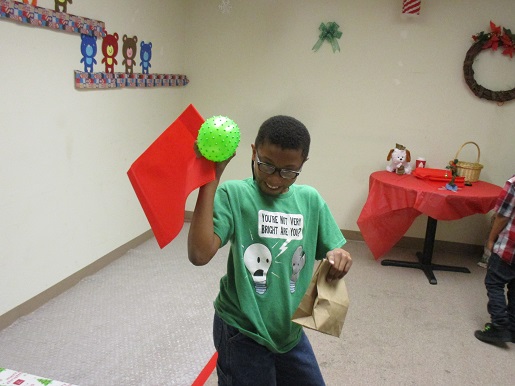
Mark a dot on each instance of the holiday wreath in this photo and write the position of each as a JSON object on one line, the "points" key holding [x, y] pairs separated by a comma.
{"points": [[482, 41]]}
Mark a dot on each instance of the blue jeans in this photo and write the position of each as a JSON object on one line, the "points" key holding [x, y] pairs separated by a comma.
{"points": [[244, 362], [500, 276]]}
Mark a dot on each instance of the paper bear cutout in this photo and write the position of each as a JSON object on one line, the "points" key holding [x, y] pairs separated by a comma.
{"points": [[62, 4], [110, 50], [88, 48], [129, 50], [145, 55]]}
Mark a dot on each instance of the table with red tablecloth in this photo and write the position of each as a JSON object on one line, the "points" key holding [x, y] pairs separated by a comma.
{"points": [[394, 201]]}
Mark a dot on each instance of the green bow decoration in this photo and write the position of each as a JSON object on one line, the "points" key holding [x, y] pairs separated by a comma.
{"points": [[330, 33]]}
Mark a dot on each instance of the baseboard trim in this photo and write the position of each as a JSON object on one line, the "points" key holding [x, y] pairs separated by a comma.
{"points": [[418, 243], [37, 301]]}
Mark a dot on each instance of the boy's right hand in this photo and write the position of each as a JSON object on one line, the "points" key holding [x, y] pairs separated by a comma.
{"points": [[219, 166]]}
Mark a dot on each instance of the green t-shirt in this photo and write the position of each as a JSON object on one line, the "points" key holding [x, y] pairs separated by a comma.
{"points": [[274, 243]]}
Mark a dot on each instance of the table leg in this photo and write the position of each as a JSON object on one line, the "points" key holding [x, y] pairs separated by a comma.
{"points": [[425, 257]]}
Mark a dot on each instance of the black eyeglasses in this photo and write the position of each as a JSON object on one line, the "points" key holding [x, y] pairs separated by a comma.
{"points": [[271, 169]]}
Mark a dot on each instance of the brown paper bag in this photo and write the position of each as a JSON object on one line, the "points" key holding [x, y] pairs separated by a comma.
{"points": [[324, 306]]}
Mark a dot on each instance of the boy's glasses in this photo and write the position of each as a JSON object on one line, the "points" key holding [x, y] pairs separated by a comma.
{"points": [[271, 169]]}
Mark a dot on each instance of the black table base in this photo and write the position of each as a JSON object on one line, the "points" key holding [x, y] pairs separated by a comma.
{"points": [[425, 257]]}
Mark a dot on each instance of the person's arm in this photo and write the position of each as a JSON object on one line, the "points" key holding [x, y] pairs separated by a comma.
{"points": [[203, 243], [499, 224], [340, 261]]}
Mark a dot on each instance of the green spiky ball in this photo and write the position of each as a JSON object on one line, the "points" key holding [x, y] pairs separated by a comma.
{"points": [[218, 138]]}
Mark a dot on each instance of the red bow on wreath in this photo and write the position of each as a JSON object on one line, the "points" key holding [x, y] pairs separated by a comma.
{"points": [[496, 38]]}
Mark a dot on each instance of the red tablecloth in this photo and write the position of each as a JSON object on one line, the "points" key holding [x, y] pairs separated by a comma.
{"points": [[394, 201]]}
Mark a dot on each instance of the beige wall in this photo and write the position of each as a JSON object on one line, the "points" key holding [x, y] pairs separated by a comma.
{"points": [[65, 200], [396, 79]]}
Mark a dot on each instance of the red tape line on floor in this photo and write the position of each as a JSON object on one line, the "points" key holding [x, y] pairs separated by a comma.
{"points": [[206, 371]]}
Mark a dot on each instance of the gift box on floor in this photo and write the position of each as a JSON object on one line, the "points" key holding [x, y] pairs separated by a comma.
{"points": [[12, 377]]}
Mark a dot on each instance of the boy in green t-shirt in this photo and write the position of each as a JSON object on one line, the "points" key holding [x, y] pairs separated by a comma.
{"points": [[277, 230]]}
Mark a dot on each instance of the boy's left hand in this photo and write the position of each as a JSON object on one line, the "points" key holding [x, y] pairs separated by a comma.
{"points": [[340, 261]]}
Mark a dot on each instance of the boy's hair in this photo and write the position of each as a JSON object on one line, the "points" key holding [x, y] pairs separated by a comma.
{"points": [[286, 132]]}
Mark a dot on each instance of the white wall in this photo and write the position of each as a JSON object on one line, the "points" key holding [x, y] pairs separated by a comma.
{"points": [[65, 200], [396, 79]]}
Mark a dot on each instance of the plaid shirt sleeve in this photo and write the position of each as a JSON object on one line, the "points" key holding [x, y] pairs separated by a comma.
{"points": [[505, 206]]}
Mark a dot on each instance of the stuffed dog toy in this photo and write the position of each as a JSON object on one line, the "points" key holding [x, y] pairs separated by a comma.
{"points": [[399, 158]]}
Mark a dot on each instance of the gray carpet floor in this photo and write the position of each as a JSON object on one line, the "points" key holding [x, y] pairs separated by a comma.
{"points": [[146, 320]]}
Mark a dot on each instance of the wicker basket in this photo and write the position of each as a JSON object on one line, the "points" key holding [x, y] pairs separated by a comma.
{"points": [[469, 170]]}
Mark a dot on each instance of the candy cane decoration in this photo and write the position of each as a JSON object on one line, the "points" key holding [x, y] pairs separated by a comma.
{"points": [[411, 7]]}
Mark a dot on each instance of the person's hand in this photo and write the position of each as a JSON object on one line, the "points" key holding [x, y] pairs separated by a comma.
{"points": [[340, 261], [219, 166]]}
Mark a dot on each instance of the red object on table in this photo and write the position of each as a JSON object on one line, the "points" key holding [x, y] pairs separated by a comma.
{"points": [[167, 172], [394, 201], [438, 177]]}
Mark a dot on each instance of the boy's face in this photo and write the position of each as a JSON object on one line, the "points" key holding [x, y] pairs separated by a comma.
{"points": [[289, 159]]}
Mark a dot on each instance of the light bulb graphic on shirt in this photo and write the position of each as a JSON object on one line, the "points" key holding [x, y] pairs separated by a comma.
{"points": [[297, 263], [258, 258]]}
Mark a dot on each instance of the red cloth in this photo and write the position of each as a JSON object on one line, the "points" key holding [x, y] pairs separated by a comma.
{"points": [[167, 172], [438, 177], [394, 201]]}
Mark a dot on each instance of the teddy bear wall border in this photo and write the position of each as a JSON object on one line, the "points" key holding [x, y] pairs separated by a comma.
{"points": [[89, 29]]}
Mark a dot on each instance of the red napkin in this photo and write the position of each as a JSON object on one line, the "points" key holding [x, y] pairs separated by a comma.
{"points": [[167, 172], [438, 176]]}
